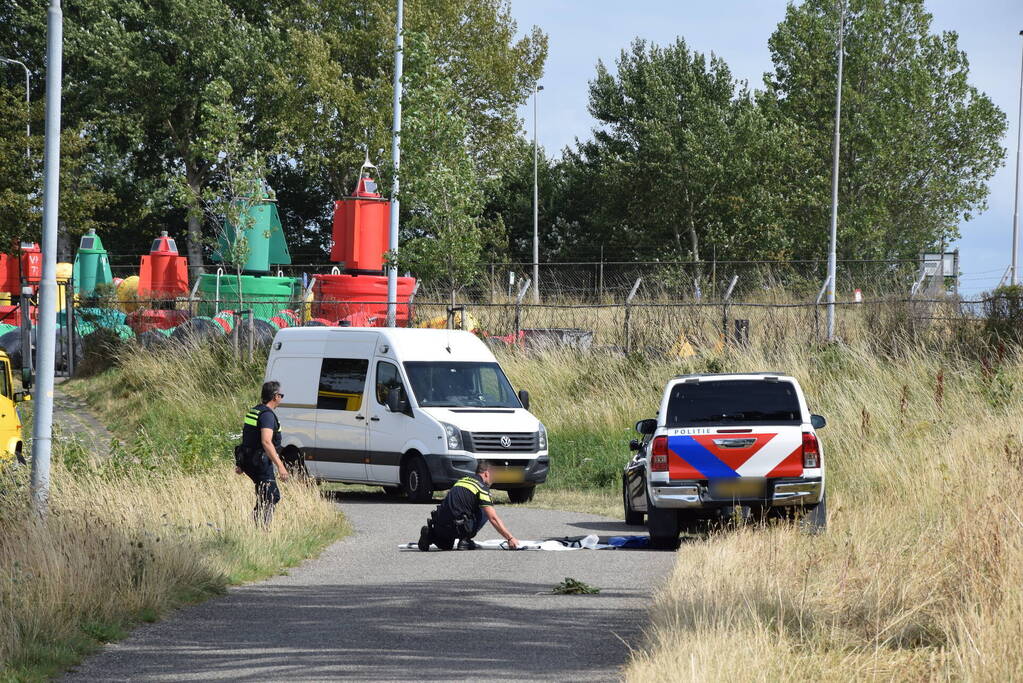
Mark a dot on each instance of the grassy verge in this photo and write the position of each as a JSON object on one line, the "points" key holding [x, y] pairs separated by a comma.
{"points": [[161, 522], [918, 575]]}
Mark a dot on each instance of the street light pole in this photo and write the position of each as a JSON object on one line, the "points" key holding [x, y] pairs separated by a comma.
{"points": [[833, 247], [42, 426], [536, 208], [392, 269], [1015, 212], [28, 107]]}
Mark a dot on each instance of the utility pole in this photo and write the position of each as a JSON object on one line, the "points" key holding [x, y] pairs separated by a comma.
{"points": [[28, 104], [536, 208], [1014, 280], [833, 248], [392, 269], [42, 426]]}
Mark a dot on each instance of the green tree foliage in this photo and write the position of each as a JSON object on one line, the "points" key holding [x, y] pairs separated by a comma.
{"points": [[509, 207], [21, 197], [442, 237], [682, 160], [168, 91], [919, 143]]}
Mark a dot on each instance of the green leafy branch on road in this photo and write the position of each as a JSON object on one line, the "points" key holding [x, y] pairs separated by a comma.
{"points": [[572, 586]]}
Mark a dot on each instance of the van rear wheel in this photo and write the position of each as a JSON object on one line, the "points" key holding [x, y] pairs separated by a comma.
{"points": [[416, 481]]}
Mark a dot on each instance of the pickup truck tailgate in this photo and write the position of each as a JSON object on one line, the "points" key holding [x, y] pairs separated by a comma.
{"points": [[725, 453]]}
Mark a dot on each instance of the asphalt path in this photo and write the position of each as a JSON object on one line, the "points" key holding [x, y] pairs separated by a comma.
{"points": [[366, 610]]}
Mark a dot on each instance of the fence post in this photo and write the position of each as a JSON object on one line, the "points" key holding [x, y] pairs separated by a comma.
{"points": [[817, 308], [518, 307], [252, 336], [493, 283], [27, 367], [724, 309], [412, 298], [628, 315]]}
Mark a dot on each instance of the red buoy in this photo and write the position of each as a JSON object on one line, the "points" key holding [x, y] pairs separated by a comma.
{"points": [[361, 224], [360, 300], [27, 267], [163, 273]]}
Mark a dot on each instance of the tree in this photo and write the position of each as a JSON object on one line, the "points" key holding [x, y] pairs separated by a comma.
{"points": [[163, 89], [442, 238], [682, 159], [919, 143], [172, 84], [21, 197]]}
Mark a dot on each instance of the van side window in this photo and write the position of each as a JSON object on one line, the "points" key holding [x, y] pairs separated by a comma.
{"points": [[388, 378], [342, 381], [5, 388]]}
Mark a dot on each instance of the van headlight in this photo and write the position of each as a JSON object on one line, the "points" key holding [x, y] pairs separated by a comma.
{"points": [[453, 437], [541, 438]]}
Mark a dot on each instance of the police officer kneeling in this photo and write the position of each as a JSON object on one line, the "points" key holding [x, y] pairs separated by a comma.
{"points": [[258, 456], [463, 512]]}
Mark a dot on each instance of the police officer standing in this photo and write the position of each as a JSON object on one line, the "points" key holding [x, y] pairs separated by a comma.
{"points": [[259, 455], [462, 513]]}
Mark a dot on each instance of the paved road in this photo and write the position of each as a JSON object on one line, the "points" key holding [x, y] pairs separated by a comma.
{"points": [[75, 420], [365, 610]]}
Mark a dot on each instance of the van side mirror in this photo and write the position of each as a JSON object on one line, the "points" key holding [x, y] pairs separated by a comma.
{"points": [[647, 426], [394, 401], [20, 396], [818, 421], [524, 398]]}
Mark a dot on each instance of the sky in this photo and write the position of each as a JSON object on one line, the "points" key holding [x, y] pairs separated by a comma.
{"points": [[581, 32]]}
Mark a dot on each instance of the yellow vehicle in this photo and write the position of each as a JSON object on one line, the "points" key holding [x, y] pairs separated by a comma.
{"points": [[10, 420]]}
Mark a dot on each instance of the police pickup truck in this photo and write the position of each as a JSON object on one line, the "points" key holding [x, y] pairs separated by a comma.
{"points": [[723, 444]]}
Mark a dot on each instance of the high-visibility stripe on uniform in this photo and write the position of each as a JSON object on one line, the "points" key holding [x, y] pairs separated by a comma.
{"points": [[471, 484], [252, 418]]}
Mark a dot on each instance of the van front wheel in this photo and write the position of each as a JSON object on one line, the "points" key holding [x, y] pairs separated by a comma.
{"points": [[522, 495], [416, 481]]}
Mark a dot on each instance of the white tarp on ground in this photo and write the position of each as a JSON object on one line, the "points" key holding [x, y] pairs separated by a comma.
{"points": [[590, 542]]}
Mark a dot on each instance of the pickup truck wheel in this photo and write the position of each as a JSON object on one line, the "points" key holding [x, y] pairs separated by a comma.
{"points": [[815, 520], [663, 525], [416, 481], [632, 518], [522, 495]]}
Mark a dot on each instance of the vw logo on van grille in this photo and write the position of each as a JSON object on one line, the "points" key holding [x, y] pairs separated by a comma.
{"points": [[506, 441]]}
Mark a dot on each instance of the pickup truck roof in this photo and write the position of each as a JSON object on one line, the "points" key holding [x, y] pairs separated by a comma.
{"points": [[698, 375]]}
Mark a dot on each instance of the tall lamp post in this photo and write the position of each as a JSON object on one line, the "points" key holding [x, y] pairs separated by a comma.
{"points": [[28, 109], [536, 208], [1015, 211], [42, 427], [392, 269], [833, 246]]}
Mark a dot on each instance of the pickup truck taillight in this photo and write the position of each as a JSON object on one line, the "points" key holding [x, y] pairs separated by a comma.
{"points": [[811, 451], [659, 454]]}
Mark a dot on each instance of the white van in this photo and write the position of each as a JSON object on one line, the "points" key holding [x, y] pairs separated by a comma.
{"points": [[411, 410]]}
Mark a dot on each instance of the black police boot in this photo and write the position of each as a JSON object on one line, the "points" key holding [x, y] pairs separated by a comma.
{"points": [[424, 539], [467, 544]]}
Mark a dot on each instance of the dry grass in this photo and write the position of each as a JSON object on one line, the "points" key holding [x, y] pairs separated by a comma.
{"points": [[918, 575], [118, 550], [159, 522]]}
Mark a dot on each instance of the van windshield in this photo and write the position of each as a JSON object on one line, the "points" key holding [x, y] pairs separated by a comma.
{"points": [[452, 385]]}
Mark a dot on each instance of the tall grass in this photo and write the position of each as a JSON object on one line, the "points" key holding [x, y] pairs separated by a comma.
{"points": [[159, 522], [918, 574]]}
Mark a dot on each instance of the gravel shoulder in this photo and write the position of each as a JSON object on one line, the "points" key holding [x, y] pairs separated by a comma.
{"points": [[366, 610]]}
